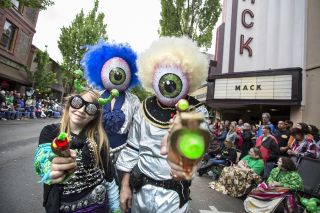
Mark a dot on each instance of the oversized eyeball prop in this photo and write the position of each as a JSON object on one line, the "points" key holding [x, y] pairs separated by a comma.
{"points": [[170, 84], [115, 74]]}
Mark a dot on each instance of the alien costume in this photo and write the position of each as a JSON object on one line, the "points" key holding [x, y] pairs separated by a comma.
{"points": [[113, 66], [171, 68]]}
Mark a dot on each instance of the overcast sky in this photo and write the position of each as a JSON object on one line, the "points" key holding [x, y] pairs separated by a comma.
{"points": [[135, 22]]}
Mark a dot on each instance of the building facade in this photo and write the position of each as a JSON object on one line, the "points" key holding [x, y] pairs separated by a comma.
{"points": [[17, 27], [268, 60]]}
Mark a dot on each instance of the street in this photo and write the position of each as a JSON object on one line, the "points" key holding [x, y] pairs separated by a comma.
{"points": [[21, 192]]}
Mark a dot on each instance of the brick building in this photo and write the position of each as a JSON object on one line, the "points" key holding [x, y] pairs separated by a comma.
{"points": [[17, 27]]}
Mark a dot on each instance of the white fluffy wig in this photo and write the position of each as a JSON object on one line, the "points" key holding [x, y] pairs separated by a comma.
{"points": [[173, 51]]}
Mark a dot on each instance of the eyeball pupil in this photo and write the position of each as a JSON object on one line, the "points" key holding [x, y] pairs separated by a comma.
{"points": [[117, 76], [170, 86]]}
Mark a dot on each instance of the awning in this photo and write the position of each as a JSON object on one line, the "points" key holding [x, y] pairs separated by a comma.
{"points": [[13, 74]]}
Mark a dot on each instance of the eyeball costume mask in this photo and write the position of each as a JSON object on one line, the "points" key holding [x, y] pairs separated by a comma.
{"points": [[171, 68], [110, 66]]}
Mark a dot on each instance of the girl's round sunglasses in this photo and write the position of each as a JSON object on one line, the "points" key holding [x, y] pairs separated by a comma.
{"points": [[77, 102]]}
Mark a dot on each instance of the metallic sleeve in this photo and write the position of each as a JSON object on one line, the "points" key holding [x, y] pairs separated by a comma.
{"points": [[129, 155], [130, 107]]}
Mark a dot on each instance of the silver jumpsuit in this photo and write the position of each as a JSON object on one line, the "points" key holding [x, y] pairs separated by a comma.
{"points": [[146, 138]]}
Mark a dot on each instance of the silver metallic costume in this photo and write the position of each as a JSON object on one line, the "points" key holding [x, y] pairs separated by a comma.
{"points": [[146, 138], [129, 108]]}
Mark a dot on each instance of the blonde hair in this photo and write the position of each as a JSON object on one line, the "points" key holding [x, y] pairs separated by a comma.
{"points": [[173, 51], [94, 130]]}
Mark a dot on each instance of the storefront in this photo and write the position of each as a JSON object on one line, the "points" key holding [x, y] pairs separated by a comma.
{"points": [[263, 59], [248, 94]]}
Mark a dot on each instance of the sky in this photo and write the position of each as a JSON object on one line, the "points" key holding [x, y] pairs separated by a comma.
{"points": [[134, 22]]}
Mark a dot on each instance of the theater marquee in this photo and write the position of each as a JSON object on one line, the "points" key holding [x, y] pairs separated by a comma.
{"points": [[263, 87]]}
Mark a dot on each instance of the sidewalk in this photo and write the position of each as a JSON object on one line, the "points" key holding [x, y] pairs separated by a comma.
{"points": [[207, 200]]}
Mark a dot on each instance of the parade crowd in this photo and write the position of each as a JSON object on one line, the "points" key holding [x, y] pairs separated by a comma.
{"points": [[16, 106], [259, 162]]}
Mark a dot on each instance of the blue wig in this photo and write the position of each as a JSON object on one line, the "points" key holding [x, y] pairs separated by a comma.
{"points": [[98, 54]]}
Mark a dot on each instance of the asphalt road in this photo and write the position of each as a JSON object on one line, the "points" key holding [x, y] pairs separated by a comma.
{"points": [[20, 191]]}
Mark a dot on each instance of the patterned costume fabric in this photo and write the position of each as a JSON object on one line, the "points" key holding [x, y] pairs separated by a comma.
{"points": [[80, 184], [235, 181], [42, 162], [291, 180], [266, 198]]}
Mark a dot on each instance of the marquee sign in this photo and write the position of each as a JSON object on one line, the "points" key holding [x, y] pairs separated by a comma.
{"points": [[277, 87]]}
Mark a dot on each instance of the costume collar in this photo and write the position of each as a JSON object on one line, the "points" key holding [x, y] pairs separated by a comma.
{"points": [[160, 115]]}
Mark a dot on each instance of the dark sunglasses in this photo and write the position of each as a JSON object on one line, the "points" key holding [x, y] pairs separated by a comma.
{"points": [[77, 102]]}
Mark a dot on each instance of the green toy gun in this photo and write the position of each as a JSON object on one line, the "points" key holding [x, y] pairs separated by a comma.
{"points": [[311, 204], [60, 145], [188, 144], [104, 101], [77, 82]]}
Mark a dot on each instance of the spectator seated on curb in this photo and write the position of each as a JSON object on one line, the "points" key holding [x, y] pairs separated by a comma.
{"points": [[236, 180], [227, 157], [278, 192], [302, 146]]}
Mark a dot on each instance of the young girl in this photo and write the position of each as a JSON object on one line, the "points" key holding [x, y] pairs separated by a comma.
{"points": [[84, 181]]}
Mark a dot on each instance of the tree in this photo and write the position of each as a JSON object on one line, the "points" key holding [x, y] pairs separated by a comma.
{"points": [[140, 92], [42, 78], [37, 4], [193, 18], [84, 30]]}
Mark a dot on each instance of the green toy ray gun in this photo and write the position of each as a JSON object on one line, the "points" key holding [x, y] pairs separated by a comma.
{"points": [[311, 204], [77, 82], [188, 144], [104, 101], [61, 144]]}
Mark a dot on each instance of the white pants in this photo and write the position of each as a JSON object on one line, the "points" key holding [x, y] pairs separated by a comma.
{"points": [[153, 199]]}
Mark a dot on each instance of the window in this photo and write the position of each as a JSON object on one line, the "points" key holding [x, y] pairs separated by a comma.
{"points": [[15, 4], [8, 36]]}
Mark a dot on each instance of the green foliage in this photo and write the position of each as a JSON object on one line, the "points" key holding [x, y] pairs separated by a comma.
{"points": [[140, 92], [84, 30], [42, 78], [193, 18], [37, 4]]}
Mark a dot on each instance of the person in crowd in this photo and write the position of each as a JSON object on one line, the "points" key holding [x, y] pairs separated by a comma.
{"points": [[269, 148], [77, 183], [228, 156], [236, 180], [2, 96], [116, 64], [9, 98], [288, 124], [163, 70], [247, 140], [231, 135], [302, 146], [277, 195], [227, 124], [240, 123], [282, 134], [265, 121], [254, 129], [214, 148], [6, 114], [314, 131], [239, 140], [221, 137]]}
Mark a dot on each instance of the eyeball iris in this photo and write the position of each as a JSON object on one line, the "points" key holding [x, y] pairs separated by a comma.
{"points": [[117, 76], [170, 85]]}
